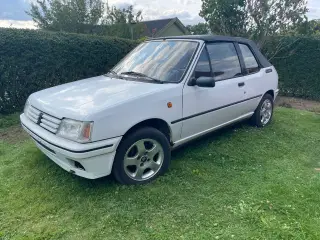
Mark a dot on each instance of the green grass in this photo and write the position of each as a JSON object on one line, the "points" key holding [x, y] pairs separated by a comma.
{"points": [[238, 183], [9, 120]]}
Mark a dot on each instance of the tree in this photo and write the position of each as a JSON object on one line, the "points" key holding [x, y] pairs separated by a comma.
{"points": [[124, 22], [87, 16], [125, 15], [66, 15], [256, 19], [271, 17], [313, 27], [198, 29], [225, 17]]}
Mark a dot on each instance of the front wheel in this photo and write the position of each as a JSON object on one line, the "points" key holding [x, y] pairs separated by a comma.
{"points": [[264, 112], [141, 157]]}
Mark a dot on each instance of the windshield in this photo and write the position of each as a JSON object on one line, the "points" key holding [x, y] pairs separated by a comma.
{"points": [[158, 60]]}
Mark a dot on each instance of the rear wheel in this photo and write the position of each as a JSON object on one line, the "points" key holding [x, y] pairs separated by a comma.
{"points": [[264, 112], [142, 156]]}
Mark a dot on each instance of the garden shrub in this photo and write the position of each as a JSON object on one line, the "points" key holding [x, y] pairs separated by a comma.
{"points": [[297, 60], [31, 60]]}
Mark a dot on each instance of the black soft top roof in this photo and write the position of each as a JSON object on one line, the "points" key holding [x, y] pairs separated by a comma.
{"points": [[216, 38]]}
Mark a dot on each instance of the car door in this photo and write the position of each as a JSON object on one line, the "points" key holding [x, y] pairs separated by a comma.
{"points": [[255, 78], [207, 108]]}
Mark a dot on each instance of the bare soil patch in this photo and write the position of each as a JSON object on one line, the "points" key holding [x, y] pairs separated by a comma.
{"points": [[298, 103], [13, 134]]}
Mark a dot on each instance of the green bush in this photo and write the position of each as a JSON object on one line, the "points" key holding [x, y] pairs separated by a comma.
{"points": [[33, 60], [297, 60]]}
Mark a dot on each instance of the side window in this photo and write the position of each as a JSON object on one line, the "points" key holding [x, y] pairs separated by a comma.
{"points": [[224, 60], [250, 61], [203, 66]]}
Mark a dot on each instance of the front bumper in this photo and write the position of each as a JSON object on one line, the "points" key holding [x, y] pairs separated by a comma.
{"points": [[90, 160], [276, 93]]}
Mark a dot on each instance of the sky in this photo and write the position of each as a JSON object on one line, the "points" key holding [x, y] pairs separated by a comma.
{"points": [[12, 12]]}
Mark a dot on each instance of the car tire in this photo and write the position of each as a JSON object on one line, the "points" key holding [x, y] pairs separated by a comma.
{"points": [[141, 157], [264, 112]]}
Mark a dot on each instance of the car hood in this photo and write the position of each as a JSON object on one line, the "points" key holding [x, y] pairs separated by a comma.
{"points": [[78, 99]]}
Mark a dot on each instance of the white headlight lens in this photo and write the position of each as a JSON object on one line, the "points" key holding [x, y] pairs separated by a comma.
{"points": [[75, 130]]}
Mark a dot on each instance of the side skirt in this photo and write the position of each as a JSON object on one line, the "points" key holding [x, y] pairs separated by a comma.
{"points": [[197, 135]]}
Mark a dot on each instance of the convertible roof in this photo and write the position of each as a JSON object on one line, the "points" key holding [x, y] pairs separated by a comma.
{"points": [[216, 38], [209, 38]]}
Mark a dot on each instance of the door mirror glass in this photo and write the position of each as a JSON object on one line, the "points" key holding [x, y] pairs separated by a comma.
{"points": [[205, 82]]}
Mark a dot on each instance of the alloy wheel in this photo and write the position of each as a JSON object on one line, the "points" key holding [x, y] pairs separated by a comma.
{"points": [[266, 111], [143, 159]]}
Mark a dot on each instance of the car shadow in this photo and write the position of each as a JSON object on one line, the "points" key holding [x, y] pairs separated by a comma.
{"points": [[179, 151], [203, 140], [110, 183]]}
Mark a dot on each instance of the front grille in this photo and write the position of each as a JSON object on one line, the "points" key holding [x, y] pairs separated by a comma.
{"points": [[46, 121]]}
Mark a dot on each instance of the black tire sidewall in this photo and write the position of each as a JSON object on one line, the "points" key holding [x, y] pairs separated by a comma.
{"points": [[256, 117], [143, 133]]}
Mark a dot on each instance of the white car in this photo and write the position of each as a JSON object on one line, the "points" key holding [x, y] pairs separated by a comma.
{"points": [[164, 93]]}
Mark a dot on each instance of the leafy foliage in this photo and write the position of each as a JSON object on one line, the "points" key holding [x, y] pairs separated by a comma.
{"points": [[313, 27], [124, 23], [66, 15], [125, 15], [255, 19], [228, 17], [198, 29], [297, 62], [122, 30], [88, 17], [34, 60]]}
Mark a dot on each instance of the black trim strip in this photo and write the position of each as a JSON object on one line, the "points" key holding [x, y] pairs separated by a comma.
{"points": [[84, 151], [215, 109], [44, 146]]}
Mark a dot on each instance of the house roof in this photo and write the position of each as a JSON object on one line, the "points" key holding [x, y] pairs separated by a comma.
{"points": [[154, 27]]}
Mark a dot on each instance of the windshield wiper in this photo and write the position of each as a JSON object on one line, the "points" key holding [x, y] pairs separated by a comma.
{"points": [[142, 75]]}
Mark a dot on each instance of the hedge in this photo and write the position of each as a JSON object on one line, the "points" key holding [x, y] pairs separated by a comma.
{"points": [[33, 60], [297, 60]]}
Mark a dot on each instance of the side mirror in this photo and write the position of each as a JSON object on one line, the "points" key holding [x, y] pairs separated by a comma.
{"points": [[205, 82]]}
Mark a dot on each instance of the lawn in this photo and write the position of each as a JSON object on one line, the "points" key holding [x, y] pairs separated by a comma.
{"points": [[239, 183]]}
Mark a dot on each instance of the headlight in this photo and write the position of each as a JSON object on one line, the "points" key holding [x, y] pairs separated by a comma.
{"points": [[75, 130]]}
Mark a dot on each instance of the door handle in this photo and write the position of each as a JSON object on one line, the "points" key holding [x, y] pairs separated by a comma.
{"points": [[269, 70], [241, 84]]}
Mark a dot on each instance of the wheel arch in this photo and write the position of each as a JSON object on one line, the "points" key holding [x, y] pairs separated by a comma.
{"points": [[270, 92], [156, 123]]}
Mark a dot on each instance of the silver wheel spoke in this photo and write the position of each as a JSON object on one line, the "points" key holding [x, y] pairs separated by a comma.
{"points": [[154, 166], [131, 161], [139, 173], [153, 152], [140, 147]]}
